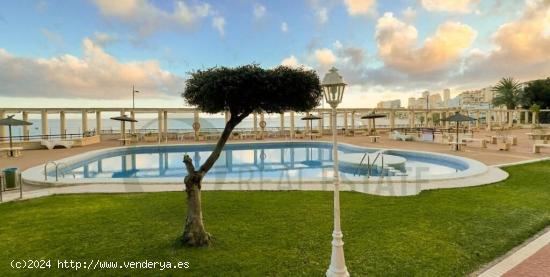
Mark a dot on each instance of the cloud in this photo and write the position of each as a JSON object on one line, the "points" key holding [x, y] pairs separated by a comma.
{"points": [[396, 42], [218, 22], [259, 11], [53, 37], [324, 57], [292, 61], [527, 39], [103, 39], [146, 18], [457, 6], [41, 6], [409, 14], [322, 15], [355, 55], [95, 75], [284, 27], [360, 7], [520, 48]]}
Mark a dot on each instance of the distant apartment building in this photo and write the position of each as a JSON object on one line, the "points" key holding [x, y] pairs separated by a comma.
{"points": [[446, 97], [480, 98], [391, 104], [474, 99], [426, 101], [435, 101]]}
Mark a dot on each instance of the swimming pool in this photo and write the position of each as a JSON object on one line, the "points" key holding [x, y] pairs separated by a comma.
{"points": [[264, 162]]}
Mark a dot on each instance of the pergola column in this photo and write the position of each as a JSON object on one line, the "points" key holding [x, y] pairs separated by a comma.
{"points": [[160, 124], [63, 124], [282, 127], [427, 117], [255, 119], [353, 120], [447, 114], [98, 122], [196, 123], [526, 117], [346, 120], [306, 124], [44, 123], [165, 124], [510, 118], [533, 118], [392, 119], [84, 121], [478, 116], [411, 119], [26, 127], [133, 124], [320, 122], [262, 119], [291, 124]]}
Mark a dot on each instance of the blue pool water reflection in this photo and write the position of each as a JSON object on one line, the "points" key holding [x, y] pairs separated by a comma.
{"points": [[253, 161]]}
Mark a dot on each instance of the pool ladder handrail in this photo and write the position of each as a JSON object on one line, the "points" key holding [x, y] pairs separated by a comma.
{"points": [[62, 173], [57, 164], [46, 172], [361, 163], [380, 154]]}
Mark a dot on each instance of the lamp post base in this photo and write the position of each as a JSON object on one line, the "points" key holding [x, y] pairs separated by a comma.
{"points": [[334, 273], [337, 266]]}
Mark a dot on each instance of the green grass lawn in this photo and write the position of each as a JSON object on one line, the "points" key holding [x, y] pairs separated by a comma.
{"points": [[437, 233]]}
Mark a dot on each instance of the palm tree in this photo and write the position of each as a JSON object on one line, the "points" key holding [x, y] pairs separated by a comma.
{"points": [[507, 93]]}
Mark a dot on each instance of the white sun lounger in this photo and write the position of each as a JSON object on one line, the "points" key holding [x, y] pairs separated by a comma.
{"points": [[50, 144], [398, 136]]}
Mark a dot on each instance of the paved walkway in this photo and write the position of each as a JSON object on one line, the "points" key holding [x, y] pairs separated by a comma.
{"points": [[532, 259]]}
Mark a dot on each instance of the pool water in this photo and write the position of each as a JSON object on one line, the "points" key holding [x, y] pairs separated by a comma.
{"points": [[254, 161]]}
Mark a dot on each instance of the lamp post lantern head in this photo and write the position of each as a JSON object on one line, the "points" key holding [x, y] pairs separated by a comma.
{"points": [[333, 87]]}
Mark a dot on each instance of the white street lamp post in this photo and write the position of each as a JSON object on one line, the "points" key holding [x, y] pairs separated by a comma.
{"points": [[333, 89]]}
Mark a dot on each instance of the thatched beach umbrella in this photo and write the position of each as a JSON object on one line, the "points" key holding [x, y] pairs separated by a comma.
{"points": [[373, 116], [10, 121], [310, 118], [124, 119], [458, 117]]}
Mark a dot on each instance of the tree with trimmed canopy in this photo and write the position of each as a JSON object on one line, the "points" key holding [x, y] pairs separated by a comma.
{"points": [[240, 91]]}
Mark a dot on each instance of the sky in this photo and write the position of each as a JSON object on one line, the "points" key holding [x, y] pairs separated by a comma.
{"points": [[89, 53]]}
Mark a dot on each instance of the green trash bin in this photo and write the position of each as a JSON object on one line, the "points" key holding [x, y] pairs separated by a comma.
{"points": [[11, 177]]}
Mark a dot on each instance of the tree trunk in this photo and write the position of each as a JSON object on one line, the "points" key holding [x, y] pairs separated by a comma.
{"points": [[194, 233]]}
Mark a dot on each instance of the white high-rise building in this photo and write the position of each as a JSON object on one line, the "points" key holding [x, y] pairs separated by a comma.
{"points": [[426, 101], [446, 97]]}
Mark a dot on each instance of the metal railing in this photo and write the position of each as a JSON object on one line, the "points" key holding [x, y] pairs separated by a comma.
{"points": [[64, 136]]}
